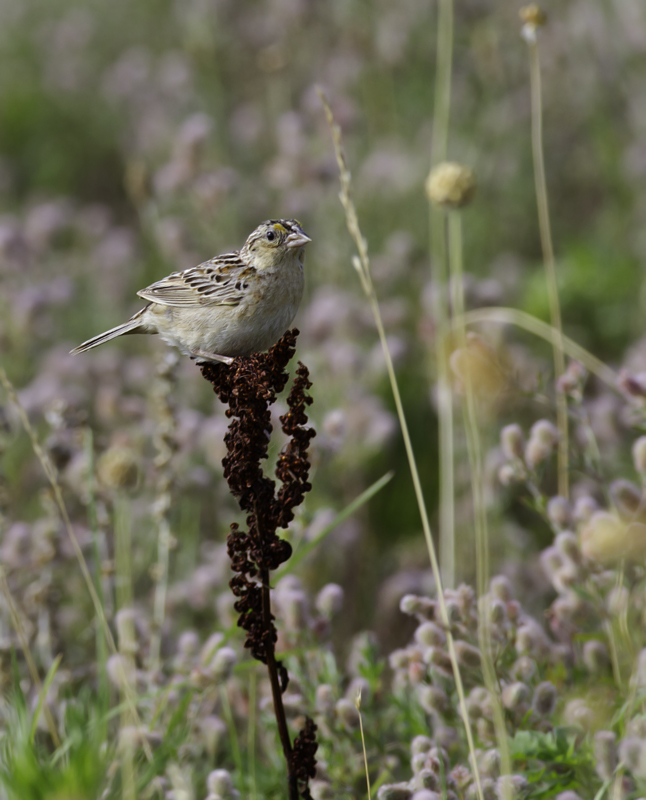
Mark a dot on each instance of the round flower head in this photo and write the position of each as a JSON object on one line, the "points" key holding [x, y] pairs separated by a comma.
{"points": [[450, 185], [533, 18]]}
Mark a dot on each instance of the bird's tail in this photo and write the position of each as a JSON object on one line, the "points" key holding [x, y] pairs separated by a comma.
{"points": [[132, 326]]}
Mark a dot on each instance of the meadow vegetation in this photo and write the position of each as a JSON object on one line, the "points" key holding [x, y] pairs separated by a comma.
{"points": [[468, 572]]}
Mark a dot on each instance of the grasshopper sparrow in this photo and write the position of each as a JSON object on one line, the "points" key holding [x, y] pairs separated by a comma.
{"points": [[233, 305]]}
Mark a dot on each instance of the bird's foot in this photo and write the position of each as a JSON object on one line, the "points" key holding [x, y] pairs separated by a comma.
{"points": [[202, 356]]}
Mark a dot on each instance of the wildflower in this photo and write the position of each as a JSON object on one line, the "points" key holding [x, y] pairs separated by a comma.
{"points": [[595, 656], [117, 467], [545, 697], [500, 587], [607, 539], [220, 784], [476, 366], [347, 713], [433, 699], [639, 455], [450, 185], [559, 512], [533, 18], [428, 634], [468, 656], [329, 600], [421, 744], [394, 791], [512, 441], [605, 750]]}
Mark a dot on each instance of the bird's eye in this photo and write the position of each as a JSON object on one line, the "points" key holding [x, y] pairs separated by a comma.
{"points": [[271, 236]]}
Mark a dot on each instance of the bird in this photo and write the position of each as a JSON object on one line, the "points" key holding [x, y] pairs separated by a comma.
{"points": [[235, 304]]}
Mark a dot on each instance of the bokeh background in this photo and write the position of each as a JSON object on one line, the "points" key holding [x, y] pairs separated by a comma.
{"points": [[141, 138]]}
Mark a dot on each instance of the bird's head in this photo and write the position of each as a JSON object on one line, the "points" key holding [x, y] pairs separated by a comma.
{"points": [[275, 240]]}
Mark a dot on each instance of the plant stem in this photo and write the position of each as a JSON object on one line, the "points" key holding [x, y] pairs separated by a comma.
{"points": [[548, 258], [277, 695], [479, 506], [361, 263], [441, 116]]}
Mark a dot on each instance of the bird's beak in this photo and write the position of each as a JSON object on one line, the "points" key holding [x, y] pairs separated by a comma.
{"points": [[297, 239]]}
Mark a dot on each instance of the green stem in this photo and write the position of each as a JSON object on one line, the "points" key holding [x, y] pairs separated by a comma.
{"points": [[439, 148], [479, 505], [548, 258]]}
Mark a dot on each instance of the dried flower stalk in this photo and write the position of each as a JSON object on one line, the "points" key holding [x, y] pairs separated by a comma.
{"points": [[249, 387]]}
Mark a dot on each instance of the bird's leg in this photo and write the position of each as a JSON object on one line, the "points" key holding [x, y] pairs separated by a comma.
{"points": [[211, 357]]}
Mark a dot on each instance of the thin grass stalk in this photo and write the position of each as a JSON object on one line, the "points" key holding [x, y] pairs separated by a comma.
{"points": [[548, 258], [357, 704], [439, 146], [165, 425], [512, 316], [24, 646], [101, 644], [362, 265], [443, 69], [444, 402], [474, 448], [50, 473]]}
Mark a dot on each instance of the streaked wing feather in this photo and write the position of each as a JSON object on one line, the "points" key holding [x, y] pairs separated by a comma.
{"points": [[222, 281]]}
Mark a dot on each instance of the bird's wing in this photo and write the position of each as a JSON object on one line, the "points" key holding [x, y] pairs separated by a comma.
{"points": [[222, 281]]}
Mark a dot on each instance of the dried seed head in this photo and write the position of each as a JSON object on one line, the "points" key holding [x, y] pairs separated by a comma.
{"points": [[533, 14], [533, 18], [450, 185]]}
